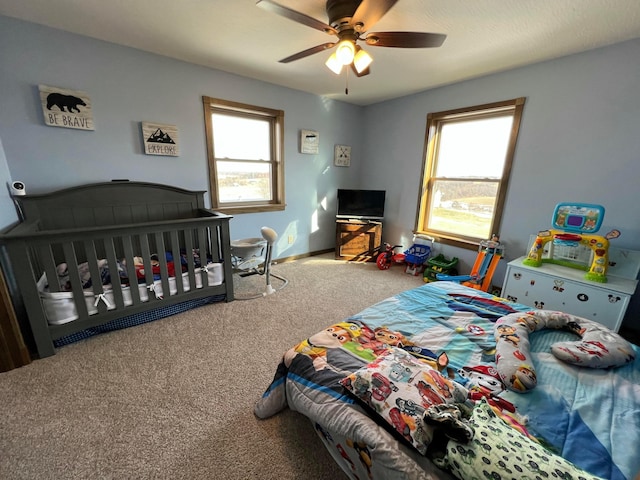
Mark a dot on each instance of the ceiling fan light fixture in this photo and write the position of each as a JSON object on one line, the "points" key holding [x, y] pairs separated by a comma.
{"points": [[334, 64], [345, 52], [349, 20], [362, 60]]}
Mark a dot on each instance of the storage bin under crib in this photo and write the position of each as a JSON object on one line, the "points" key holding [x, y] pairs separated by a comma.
{"points": [[177, 251]]}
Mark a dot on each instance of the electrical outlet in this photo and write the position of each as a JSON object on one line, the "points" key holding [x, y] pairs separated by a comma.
{"points": [[291, 239]]}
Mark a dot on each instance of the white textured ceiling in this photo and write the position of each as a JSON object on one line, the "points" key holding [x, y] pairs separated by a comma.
{"points": [[483, 36]]}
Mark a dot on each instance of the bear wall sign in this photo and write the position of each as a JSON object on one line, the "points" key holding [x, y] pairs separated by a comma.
{"points": [[66, 108]]}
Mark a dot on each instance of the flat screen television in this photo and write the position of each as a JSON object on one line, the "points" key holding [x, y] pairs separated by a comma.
{"points": [[361, 204]]}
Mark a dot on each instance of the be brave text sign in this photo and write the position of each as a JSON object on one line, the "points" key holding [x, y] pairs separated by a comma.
{"points": [[66, 108]]}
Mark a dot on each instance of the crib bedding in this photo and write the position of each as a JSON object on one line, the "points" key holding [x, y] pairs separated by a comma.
{"points": [[588, 416], [126, 275], [57, 299]]}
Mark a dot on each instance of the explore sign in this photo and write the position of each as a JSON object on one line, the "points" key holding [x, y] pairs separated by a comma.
{"points": [[160, 139]]}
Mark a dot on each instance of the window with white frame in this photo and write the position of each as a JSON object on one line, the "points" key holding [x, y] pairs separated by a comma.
{"points": [[245, 156], [467, 162]]}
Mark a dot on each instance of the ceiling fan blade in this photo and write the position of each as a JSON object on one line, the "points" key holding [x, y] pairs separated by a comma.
{"points": [[272, 7], [405, 39], [307, 52], [369, 12], [366, 71]]}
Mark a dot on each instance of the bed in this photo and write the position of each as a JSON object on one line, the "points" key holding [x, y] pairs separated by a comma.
{"points": [[351, 381], [109, 255]]}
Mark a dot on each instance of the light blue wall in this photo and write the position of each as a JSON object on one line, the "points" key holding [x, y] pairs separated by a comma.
{"points": [[127, 86], [579, 141]]}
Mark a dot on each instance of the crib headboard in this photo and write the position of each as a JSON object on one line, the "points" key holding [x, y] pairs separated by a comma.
{"points": [[110, 203]]}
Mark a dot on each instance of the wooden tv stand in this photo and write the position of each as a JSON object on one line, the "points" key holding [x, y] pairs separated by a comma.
{"points": [[358, 240]]}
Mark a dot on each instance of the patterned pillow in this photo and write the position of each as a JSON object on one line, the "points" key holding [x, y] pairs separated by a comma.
{"points": [[499, 451], [401, 389], [599, 347]]}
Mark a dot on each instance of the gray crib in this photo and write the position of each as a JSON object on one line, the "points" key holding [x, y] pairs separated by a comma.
{"points": [[181, 251]]}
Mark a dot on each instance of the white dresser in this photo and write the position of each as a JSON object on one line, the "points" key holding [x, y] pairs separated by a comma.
{"points": [[555, 287]]}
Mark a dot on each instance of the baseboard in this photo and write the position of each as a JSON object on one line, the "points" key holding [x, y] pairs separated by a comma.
{"points": [[303, 255]]}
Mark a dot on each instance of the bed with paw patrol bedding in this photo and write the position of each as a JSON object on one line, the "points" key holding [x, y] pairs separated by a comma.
{"points": [[444, 381]]}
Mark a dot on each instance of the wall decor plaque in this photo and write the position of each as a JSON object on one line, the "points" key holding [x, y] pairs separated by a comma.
{"points": [[160, 139], [309, 141], [66, 108]]}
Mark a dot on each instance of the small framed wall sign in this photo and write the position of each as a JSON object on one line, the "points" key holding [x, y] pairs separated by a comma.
{"points": [[160, 139], [309, 141], [66, 108], [342, 156]]}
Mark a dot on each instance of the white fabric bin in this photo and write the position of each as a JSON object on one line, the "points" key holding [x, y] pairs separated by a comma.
{"points": [[215, 276], [59, 307]]}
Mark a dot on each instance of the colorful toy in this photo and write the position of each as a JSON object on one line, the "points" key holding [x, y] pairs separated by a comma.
{"points": [[572, 242], [389, 256], [439, 264], [489, 254], [417, 254]]}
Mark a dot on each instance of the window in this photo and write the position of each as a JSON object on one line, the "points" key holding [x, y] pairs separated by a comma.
{"points": [[468, 156], [245, 156]]}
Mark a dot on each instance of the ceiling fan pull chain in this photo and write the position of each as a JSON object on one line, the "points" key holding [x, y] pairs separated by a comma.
{"points": [[346, 88]]}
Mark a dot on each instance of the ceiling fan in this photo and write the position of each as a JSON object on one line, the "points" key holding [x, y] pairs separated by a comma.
{"points": [[349, 20]]}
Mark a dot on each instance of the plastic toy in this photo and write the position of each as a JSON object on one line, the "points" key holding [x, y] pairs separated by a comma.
{"points": [[572, 241], [388, 257], [489, 254], [417, 254], [439, 264]]}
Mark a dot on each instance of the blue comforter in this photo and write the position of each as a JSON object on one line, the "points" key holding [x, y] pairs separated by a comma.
{"points": [[591, 417]]}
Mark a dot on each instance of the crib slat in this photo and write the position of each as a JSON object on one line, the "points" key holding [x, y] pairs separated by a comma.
{"points": [[112, 260], [162, 259], [92, 261], [191, 265], [45, 255], [214, 234], [204, 252], [131, 269], [146, 259], [96, 278], [74, 278], [177, 261]]}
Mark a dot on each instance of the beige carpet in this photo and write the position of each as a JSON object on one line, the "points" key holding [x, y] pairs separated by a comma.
{"points": [[173, 399]]}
